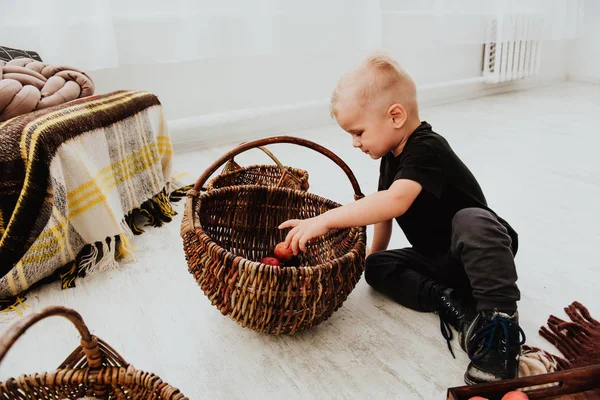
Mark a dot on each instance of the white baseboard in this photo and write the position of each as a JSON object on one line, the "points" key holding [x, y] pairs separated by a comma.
{"points": [[242, 125], [584, 78], [236, 126]]}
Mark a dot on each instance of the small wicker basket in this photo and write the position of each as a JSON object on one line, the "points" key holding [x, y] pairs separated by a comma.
{"points": [[226, 230], [93, 371], [265, 175]]}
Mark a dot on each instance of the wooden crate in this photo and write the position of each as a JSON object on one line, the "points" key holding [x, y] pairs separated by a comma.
{"points": [[579, 384]]}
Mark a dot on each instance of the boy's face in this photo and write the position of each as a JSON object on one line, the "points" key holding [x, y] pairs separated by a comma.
{"points": [[372, 129]]}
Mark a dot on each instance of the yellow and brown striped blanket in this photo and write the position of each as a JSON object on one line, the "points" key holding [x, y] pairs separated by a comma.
{"points": [[73, 181]]}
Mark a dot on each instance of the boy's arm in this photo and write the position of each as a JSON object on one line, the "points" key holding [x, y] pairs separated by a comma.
{"points": [[381, 236], [380, 206]]}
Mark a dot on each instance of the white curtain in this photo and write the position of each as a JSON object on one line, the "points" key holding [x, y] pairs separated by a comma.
{"points": [[95, 34]]}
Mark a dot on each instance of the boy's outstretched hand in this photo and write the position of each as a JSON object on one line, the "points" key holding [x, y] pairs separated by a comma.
{"points": [[302, 231]]}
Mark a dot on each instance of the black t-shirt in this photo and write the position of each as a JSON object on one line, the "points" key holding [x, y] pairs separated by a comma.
{"points": [[448, 187]]}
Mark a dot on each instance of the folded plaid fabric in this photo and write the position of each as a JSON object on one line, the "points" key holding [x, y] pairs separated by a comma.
{"points": [[8, 53], [73, 178]]}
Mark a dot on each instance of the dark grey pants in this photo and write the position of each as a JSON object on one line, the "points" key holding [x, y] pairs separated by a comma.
{"points": [[479, 264]]}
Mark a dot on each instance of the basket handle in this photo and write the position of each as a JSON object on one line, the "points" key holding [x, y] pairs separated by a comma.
{"points": [[89, 343], [281, 139], [232, 165], [271, 156]]}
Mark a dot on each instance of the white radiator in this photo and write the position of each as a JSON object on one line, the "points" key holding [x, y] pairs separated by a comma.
{"points": [[514, 49]]}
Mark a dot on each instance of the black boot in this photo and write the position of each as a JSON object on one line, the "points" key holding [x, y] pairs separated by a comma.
{"points": [[452, 309], [493, 343], [468, 325]]}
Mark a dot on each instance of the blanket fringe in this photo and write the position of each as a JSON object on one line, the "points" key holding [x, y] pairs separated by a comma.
{"points": [[577, 341], [105, 259], [178, 194], [12, 306], [154, 211], [67, 275], [125, 248]]}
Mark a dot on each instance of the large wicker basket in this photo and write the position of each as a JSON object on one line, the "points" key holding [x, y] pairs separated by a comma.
{"points": [[94, 370], [226, 231], [265, 175]]}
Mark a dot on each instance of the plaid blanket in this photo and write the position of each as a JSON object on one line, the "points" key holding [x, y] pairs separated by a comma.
{"points": [[75, 181]]}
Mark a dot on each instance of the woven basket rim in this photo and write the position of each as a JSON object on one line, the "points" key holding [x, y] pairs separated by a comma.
{"points": [[106, 375], [221, 176], [222, 253], [254, 166]]}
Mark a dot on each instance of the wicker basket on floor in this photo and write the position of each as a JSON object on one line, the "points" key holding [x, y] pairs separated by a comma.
{"points": [[94, 370], [226, 231], [266, 175]]}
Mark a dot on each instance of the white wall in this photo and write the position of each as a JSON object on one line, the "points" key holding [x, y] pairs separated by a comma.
{"points": [[213, 86], [584, 55], [224, 100]]}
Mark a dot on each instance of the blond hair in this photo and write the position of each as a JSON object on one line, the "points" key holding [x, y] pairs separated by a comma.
{"points": [[378, 76]]}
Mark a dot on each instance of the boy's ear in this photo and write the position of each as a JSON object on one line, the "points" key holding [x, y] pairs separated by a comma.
{"points": [[398, 115]]}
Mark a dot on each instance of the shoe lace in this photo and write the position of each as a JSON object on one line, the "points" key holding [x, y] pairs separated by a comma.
{"points": [[446, 330], [494, 335], [447, 312]]}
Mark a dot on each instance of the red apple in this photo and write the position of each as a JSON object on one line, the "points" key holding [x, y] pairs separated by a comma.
{"points": [[283, 254], [514, 395], [270, 261]]}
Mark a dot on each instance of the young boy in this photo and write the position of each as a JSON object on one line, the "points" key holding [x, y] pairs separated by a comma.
{"points": [[461, 263]]}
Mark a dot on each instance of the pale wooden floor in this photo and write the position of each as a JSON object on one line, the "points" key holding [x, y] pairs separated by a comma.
{"points": [[535, 155]]}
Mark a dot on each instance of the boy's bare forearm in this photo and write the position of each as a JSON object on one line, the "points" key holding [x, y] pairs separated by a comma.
{"points": [[382, 235], [375, 208]]}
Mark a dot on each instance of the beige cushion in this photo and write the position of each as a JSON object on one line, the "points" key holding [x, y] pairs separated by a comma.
{"points": [[27, 85]]}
